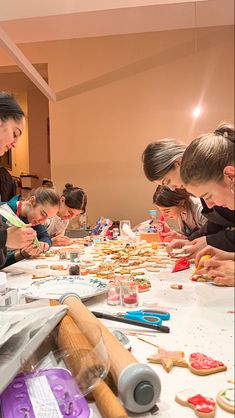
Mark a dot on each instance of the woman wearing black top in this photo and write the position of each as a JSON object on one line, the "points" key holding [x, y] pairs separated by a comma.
{"points": [[12, 122], [162, 160]]}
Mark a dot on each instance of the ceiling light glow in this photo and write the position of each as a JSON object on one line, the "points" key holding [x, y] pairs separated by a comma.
{"points": [[197, 111]]}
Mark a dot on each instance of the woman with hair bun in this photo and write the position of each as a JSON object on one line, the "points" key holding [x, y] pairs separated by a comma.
{"points": [[72, 203]]}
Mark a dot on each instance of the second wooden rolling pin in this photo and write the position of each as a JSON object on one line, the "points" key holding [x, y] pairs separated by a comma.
{"points": [[73, 341], [138, 385]]}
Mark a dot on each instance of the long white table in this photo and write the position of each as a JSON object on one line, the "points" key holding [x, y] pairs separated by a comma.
{"points": [[202, 320]]}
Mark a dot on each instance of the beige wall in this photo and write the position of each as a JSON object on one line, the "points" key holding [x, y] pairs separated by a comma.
{"points": [[39, 162], [98, 136]]}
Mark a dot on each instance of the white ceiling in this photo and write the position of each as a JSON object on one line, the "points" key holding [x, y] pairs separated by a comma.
{"points": [[34, 21], [15, 9], [24, 21]]}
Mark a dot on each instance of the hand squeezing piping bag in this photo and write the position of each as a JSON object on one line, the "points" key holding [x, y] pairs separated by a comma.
{"points": [[14, 220], [161, 219], [138, 385]]}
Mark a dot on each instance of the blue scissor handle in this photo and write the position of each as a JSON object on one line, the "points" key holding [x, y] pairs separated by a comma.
{"points": [[141, 317], [145, 312]]}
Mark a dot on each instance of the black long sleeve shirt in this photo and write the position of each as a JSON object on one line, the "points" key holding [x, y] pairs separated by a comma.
{"points": [[220, 228], [3, 249]]}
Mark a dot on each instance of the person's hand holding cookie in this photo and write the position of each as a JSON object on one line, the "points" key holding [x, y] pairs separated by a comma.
{"points": [[33, 251]]}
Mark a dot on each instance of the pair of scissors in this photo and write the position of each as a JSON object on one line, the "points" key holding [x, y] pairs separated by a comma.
{"points": [[149, 316]]}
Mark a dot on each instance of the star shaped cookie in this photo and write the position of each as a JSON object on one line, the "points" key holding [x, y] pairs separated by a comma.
{"points": [[168, 359]]}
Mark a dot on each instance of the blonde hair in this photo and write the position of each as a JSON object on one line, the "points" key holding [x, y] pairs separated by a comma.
{"points": [[206, 157]]}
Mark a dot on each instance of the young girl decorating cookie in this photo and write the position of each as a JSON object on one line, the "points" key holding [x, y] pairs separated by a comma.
{"points": [[73, 203], [35, 210], [180, 206]]}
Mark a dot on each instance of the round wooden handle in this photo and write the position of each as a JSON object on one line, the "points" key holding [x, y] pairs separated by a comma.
{"points": [[107, 403]]}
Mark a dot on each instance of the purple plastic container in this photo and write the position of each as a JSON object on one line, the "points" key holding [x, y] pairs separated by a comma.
{"points": [[45, 393]]}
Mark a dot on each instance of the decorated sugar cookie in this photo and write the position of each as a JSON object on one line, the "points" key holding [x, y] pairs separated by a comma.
{"points": [[143, 284], [168, 359], [41, 266], [203, 365], [203, 407], [176, 286], [58, 267], [225, 400], [40, 275]]}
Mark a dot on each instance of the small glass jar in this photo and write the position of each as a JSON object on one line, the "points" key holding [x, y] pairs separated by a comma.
{"points": [[113, 297], [63, 254], [74, 256], [74, 269], [129, 294], [115, 233]]}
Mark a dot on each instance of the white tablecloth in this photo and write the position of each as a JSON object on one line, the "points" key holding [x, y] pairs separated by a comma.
{"points": [[201, 321]]}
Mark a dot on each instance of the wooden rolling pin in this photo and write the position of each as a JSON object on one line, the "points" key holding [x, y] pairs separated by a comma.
{"points": [[70, 338], [119, 356], [138, 385]]}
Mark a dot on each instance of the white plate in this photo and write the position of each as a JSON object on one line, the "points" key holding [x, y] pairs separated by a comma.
{"points": [[54, 288]]}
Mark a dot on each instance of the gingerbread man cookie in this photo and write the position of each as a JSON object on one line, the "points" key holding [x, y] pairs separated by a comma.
{"points": [[203, 407]]}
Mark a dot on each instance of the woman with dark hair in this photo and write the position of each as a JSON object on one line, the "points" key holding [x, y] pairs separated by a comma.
{"points": [[208, 167], [162, 166], [180, 206], [161, 162], [208, 170], [47, 183], [73, 202], [12, 122], [40, 205]]}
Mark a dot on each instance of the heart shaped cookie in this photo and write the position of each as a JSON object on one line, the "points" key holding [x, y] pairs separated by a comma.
{"points": [[203, 365]]}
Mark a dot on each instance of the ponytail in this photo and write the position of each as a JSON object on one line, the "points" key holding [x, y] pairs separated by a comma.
{"points": [[206, 157]]}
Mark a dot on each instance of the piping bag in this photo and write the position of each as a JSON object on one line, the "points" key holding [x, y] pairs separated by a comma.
{"points": [[138, 385], [160, 220], [73, 340], [14, 220], [181, 264]]}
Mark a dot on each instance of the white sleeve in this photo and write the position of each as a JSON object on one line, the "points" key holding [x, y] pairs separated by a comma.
{"points": [[197, 212]]}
